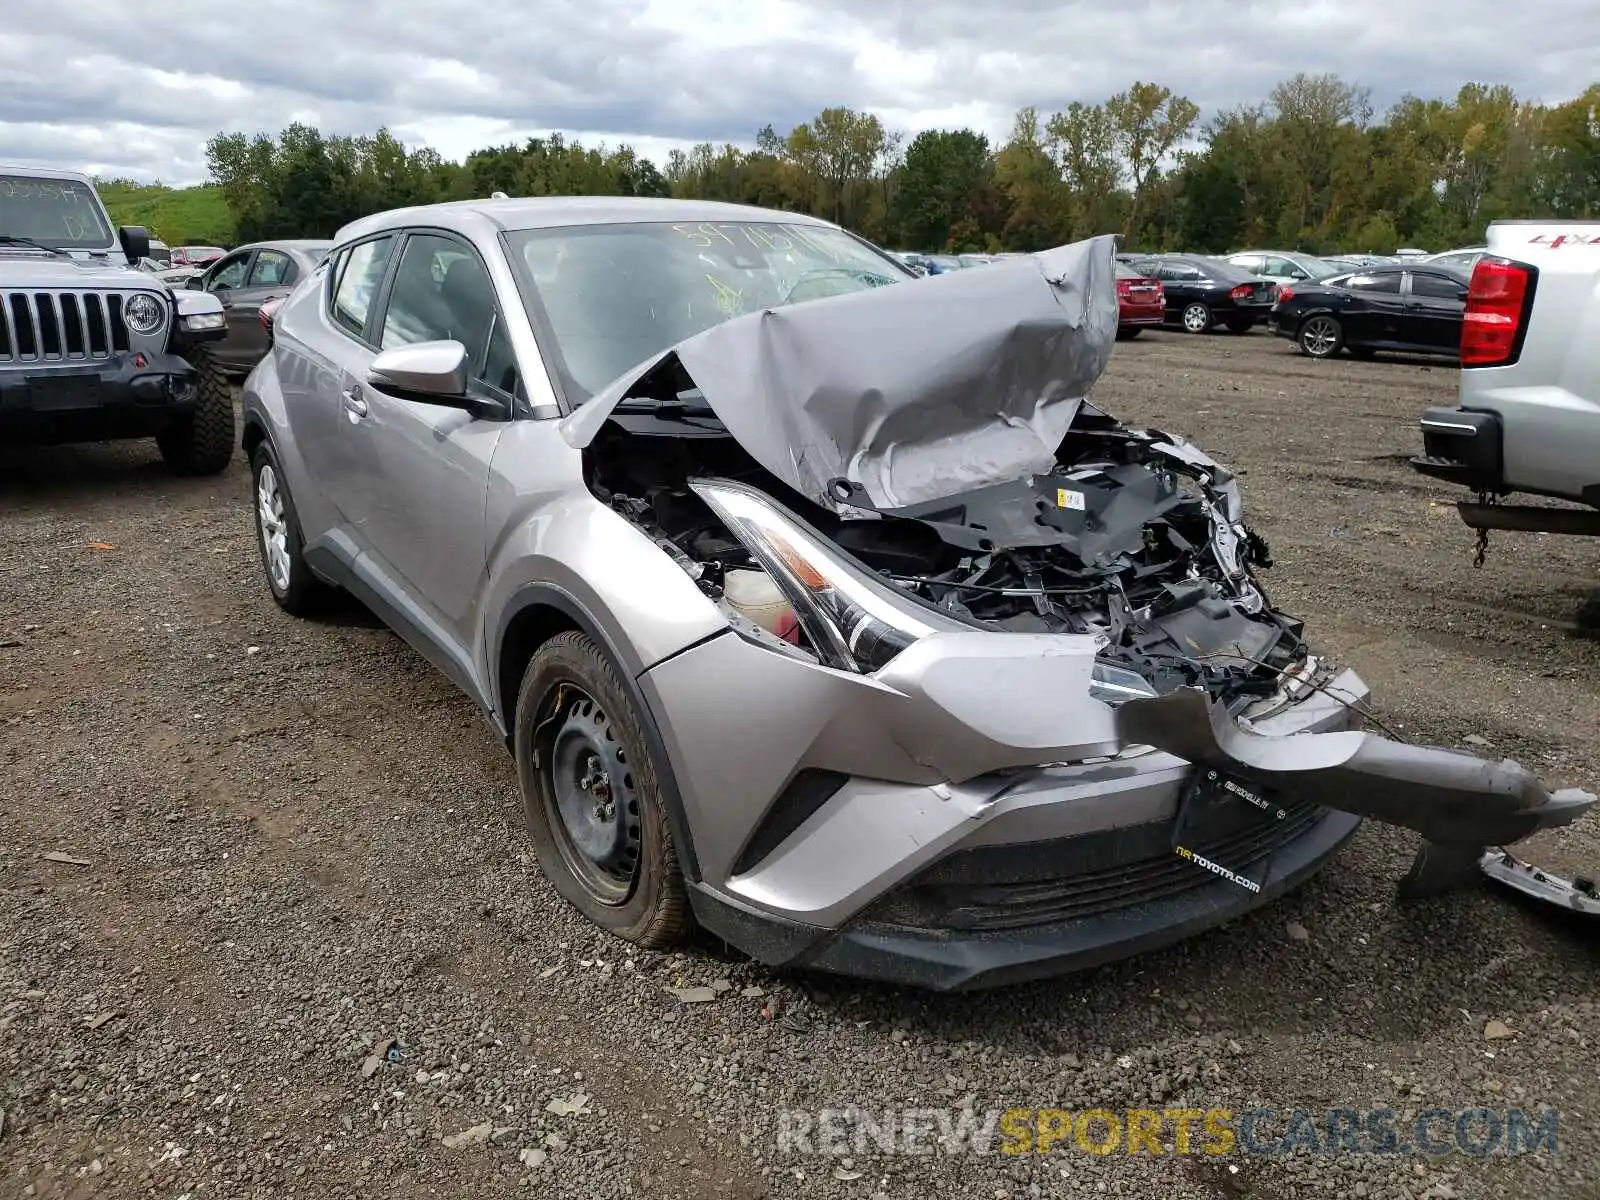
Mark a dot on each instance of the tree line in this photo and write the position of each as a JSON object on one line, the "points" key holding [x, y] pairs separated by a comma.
{"points": [[1310, 167]]}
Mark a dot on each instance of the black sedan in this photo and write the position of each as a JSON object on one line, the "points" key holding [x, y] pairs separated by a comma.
{"points": [[1203, 293], [244, 280], [1414, 309]]}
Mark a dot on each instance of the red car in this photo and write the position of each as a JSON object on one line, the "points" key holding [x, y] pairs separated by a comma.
{"points": [[1141, 301]]}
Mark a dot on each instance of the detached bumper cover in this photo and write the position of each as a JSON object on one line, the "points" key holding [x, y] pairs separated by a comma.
{"points": [[1450, 797], [1575, 895]]}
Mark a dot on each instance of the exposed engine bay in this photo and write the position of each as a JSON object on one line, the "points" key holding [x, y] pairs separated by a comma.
{"points": [[1132, 537]]}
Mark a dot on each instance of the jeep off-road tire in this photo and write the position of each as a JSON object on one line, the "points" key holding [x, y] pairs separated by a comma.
{"points": [[573, 712], [201, 441]]}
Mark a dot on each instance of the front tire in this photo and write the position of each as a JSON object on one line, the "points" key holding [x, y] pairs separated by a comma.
{"points": [[592, 798], [201, 442], [1196, 318], [1320, 336], [295, 589]]}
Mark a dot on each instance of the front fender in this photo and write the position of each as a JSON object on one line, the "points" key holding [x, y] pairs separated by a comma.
{"points": [[644, 604]]}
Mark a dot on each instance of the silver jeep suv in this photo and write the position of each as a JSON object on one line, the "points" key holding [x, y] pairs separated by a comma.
{"points": [[93, 348], [815, 601]]}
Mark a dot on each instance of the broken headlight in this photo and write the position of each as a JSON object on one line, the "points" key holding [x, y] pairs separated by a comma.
{"points": [[852, 621], [1115, 684]]}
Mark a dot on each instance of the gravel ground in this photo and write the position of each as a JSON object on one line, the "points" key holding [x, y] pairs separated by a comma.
{"points": [[303, 949]]}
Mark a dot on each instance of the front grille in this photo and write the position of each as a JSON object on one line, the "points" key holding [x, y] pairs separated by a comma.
{"points": [[934, 903], [61, 326]]}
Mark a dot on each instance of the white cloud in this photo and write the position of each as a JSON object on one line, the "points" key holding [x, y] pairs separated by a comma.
{"points": [[128, 88]]}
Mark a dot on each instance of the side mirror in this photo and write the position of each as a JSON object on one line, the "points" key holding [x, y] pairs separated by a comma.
{"points": [[430, 373], [135, 241], [195, 284]]}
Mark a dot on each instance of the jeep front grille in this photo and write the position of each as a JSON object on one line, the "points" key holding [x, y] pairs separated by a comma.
{"points": [[60, 326]]}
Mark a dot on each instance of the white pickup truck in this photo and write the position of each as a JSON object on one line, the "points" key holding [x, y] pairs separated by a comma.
{"points": [[1529, 416], [1528, 421]]}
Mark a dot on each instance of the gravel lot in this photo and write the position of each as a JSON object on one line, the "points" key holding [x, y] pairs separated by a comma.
{"points": [[306, 946]]}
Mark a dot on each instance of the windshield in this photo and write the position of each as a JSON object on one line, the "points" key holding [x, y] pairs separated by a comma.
{"points": [[64, 213], [612, 296]]}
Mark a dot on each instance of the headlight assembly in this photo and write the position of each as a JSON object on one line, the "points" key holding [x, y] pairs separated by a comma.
{"points": [[1115, 684], [854, 622], [143, 313]]}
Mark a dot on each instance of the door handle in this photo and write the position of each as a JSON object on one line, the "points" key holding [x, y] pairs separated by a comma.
{"points": [[353, 403]]}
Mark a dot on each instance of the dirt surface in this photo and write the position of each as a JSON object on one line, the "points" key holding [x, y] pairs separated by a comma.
{"points": [[304, 946]]}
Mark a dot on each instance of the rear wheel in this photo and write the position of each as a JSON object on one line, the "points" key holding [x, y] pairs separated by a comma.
{"points": [[1244, 326], [1320, 336], [201, 441], [1196, 318], [1128, 333], [296, 590], [592, 798]]}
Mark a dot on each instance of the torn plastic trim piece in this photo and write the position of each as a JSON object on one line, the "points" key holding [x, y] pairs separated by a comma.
{"points": [[1576, 895], [1449, 797]]}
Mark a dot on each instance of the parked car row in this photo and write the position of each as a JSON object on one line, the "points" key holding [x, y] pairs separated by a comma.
{"points": [[1201, 294]]}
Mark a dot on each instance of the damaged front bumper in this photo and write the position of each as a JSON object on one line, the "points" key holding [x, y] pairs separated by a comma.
{"points": [[809, 856], [1461, 804]]}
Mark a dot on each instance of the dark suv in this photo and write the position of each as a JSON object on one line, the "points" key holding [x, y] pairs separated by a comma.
{"points": [[91, 348]]}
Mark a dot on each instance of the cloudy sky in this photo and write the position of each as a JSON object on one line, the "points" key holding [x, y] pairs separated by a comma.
{"points": [[135, 87]]}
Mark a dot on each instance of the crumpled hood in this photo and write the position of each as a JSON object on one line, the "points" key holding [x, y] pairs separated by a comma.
{"points": [[916, 391], [23, 268]]}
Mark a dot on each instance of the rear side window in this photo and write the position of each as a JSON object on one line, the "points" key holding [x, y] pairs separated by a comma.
{"points": [[359, 271], [1375, 283], [1438, 287]]}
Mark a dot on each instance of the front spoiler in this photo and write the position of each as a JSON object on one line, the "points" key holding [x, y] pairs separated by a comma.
{"points": [[1461, 804]]}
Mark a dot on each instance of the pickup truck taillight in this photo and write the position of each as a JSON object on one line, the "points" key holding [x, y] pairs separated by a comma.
{"points": [[1498, 299]]}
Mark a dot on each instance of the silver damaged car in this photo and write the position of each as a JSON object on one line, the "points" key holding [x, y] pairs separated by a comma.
{"points": [[818, 605]]}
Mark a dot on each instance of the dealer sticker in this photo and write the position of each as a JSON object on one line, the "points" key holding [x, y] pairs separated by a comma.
{"points": [[1065, 498]]}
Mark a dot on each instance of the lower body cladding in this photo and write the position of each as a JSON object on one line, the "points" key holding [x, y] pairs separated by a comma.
{"points": [[892, 827], [128, 395]]}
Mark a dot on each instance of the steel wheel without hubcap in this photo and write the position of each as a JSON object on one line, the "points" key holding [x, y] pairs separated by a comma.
{"points": [[1197, 318], [274, 528], [1319, 337], [596, 821]]}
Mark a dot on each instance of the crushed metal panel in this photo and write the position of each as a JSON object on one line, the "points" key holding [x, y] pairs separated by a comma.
{"points": [[915, 391], [1450, 797]]}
